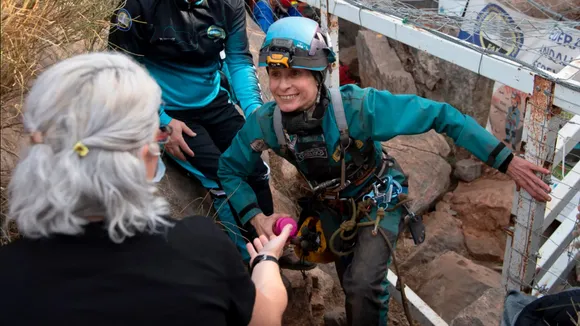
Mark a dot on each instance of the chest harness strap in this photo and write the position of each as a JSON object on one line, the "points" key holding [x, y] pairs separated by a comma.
{"points": [[344, 137]]}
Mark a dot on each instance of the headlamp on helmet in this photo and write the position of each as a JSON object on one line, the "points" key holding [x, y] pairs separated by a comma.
{"points": [[280, 53]]}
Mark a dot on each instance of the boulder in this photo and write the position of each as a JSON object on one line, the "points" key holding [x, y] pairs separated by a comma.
{"points": [[185, 194], [314, 294], [452, 282], [484, 206], [424, 159], [443, 234], [336, 317], [379, 66], [467, 170]]}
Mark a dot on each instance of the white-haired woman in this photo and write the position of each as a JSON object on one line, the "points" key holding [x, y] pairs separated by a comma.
{"points": [[98, 247]]}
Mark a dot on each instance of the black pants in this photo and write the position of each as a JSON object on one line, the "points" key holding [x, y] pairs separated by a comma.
{"points": [[216, 125]]}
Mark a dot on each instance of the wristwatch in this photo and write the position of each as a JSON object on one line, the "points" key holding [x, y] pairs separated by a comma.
{"points": [[261, 258]]}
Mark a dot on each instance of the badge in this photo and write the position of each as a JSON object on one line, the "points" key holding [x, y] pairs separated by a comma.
{"points": [[216, 33], [336, 155], [124, 21], [259, 145]]}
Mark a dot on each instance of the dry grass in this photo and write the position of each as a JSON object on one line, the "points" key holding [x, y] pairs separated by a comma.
{"points": [[35, 34]]}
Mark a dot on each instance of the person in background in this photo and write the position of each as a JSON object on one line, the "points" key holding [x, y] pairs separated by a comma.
{"points": [[266, 12], [359, 194], [190, 47], [98, 246]]}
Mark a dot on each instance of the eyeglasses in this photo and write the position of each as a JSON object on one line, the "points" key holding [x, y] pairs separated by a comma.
{"points": [[164, 134]]}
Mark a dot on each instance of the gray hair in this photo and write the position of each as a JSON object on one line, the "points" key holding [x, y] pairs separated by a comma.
{"points": [[109, 103]]}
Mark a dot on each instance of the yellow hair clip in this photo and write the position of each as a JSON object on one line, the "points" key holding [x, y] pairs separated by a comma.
{"points": [[81, 149]]}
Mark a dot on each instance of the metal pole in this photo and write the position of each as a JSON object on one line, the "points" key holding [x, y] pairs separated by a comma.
{"points": [[542, 126]]}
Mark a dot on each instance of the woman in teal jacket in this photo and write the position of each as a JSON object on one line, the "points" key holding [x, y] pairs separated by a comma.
{"points": [[333, 138]]}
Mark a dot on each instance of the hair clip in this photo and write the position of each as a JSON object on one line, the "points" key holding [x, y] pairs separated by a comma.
{"points": [[81, 149]]}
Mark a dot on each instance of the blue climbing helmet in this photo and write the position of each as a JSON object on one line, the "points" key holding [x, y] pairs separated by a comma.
{"points": [[296, 42]]}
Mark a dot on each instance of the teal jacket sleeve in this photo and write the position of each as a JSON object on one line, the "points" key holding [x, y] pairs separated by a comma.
{"points": [[239, 59], [236, 164], [386, 116]]}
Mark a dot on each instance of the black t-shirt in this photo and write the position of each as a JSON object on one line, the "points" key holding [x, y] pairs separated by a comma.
{"points": [[190, 275]]}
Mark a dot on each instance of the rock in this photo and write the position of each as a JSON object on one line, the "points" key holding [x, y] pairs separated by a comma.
{"points": [[379, 66], [298, 312], [443, 234], [322, 285], [423, 159], [347, 32], [484, 206], [452, 282], [312, 296], [487, 310], [483, 246], [467, 170], [185, 194], [283, 204], [336, 317]]}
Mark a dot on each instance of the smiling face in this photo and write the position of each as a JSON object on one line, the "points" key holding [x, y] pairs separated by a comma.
{"points": [[293, 89]]}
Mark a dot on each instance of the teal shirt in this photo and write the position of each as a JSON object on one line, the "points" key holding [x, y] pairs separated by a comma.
{"points": [[184, 87], [371, 114]]}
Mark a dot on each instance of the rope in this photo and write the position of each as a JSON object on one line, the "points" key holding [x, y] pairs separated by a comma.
{"points": [[352, 225]]}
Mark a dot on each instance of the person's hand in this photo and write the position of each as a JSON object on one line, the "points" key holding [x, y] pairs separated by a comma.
{"points": [[522, 172], [264, 224], [176, 143], [272, 247]]}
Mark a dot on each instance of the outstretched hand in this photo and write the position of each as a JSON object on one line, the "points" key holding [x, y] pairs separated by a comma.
{"points": [[522, 172], [273, 246]]}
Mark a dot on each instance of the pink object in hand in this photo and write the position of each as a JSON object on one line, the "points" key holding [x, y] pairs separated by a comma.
{"points": [[282, 222]]}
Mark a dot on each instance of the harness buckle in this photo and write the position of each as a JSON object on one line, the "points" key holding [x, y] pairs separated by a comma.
{"points": [[384, 191]]}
